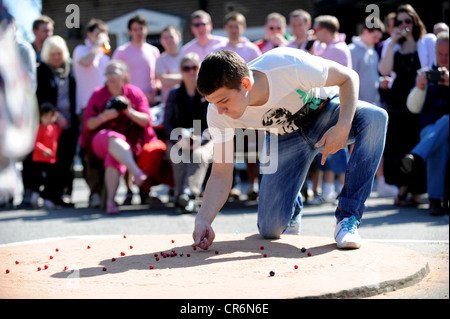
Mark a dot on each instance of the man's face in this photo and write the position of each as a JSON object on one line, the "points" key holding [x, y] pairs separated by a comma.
{"points": [[230, 102], [170, 39], [442, 58], [273, 27], [371, 38], [138, 32], [95, 34], [299, 27], [201, 27], [44, 31], [234, 29], [319, 32]]}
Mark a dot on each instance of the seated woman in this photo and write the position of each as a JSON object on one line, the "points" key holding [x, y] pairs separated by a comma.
{"points": [[185, 117], [116, 125]]}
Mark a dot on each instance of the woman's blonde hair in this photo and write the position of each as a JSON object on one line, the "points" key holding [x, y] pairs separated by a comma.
{"points": [[50, 44], [191, 56]]}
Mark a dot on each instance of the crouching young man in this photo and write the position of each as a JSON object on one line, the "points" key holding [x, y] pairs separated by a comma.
{"points": [[309, 105]]}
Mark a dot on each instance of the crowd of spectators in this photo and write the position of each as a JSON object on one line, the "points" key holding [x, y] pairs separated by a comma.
{"points": [[97, 104]]}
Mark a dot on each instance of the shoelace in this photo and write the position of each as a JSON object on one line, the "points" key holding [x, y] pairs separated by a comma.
{"points": [[350, 225], [292, 223]]}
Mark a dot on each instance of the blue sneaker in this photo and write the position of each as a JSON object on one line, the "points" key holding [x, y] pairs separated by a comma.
{"points": [[346, 233]]}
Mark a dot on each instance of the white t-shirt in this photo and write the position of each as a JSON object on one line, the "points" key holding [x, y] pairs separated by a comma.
{"points": [[90, 77], [167, 64], [296, 87]]}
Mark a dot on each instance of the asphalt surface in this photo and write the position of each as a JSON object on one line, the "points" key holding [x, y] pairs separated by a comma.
{"points": [[412, 228]]}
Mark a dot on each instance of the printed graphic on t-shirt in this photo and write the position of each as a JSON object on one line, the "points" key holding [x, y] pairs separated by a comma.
{"points": [[280, 116]]}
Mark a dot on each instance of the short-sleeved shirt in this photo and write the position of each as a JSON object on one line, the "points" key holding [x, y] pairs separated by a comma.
{"points": [[141, 64], [296, 82], [88, 77], [246, 49], [339, 52], [203, 51], [167, 64]]}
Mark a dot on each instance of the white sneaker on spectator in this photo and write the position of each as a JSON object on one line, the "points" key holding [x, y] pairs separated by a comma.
{"points": [[386, 190], [319, 200]]}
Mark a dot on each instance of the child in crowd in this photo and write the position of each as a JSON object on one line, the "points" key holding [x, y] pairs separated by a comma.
{"points": [[44, 154]]}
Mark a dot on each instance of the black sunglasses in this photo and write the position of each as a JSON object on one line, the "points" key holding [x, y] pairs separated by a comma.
{"points": [[274, 28], [187, 68], [406, 21], [200, 24]]}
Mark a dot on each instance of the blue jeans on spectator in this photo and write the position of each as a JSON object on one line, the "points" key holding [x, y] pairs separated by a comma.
{"points": [[433, 149], [280, 198]]}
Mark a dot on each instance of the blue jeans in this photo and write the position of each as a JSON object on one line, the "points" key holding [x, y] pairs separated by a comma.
{"points": [[433, 149], [279, 193]]}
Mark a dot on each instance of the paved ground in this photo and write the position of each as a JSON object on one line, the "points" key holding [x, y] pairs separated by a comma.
{"points": [[411, 228]]}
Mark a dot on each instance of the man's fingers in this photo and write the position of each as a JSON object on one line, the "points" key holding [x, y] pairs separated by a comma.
{"points": [[320, 143], [324, 158], [203, 239], [324, 153]]}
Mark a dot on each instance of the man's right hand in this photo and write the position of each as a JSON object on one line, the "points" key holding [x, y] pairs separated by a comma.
{"points": [[203, 235]]}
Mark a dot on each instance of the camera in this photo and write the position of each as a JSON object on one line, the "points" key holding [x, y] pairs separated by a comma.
{"points": [[116, 103], [435, 76]]}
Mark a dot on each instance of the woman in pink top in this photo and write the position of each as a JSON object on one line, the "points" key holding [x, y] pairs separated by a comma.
{"points": [[117, 124]]}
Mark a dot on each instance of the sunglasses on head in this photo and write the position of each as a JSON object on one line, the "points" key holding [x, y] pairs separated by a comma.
{"points": [[406, 21], [200, 24], [187, 68]]}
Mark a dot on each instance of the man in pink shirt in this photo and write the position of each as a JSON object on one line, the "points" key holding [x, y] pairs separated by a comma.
{"points": [[326, 29], [140, 58], [89, 63], [235, 25], [300, 23], [276, 35], [204, 42]]}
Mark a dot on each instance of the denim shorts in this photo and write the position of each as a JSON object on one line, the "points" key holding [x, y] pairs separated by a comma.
{"points": [[335, 162]]}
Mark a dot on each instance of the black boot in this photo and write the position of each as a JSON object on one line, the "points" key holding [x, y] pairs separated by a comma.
{"points": [[436, 208], [410, 163]]}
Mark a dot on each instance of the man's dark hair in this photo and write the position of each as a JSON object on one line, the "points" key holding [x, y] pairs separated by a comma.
{"points": [[42, 20], [219, 69], [96, 24], [139, 19]]}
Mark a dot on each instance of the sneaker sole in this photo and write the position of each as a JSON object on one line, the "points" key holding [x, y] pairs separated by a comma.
{"points": [[349, 245]]}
